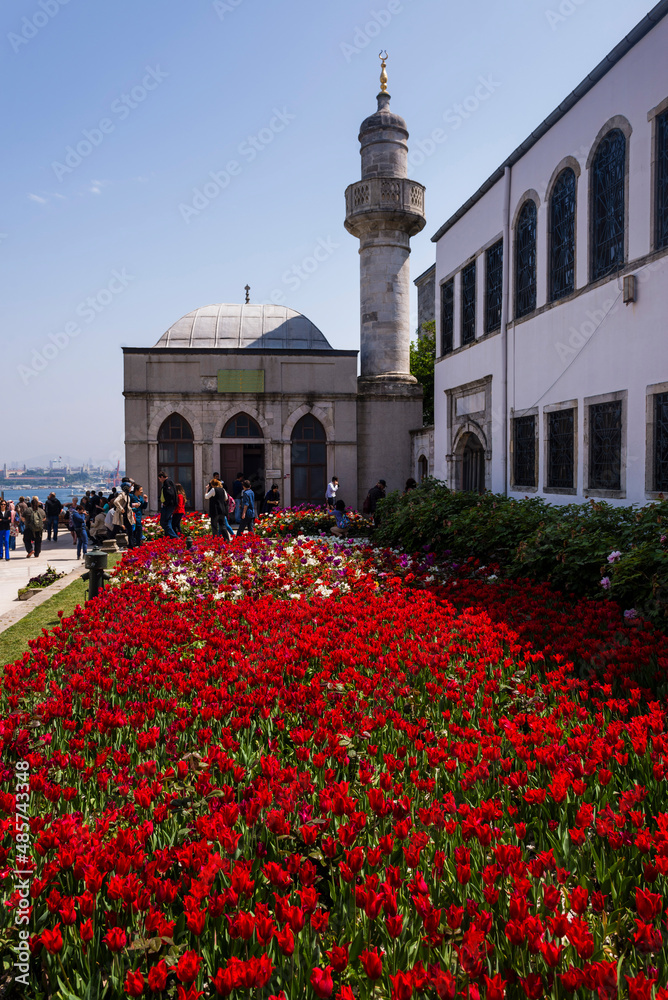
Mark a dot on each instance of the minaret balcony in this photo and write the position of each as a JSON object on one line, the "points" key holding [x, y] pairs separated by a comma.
{"points": [[395, 202]]}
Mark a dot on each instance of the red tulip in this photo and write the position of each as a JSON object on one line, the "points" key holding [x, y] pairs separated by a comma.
{"points": [[322, 983], [115, 939], [372, 963], [188, 967], [134, 983], [52, 939], [157, 976], [495, 987]]}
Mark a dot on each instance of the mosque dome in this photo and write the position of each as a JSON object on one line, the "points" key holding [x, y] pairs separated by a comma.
{"points": [[247, 326], [382, 119]]}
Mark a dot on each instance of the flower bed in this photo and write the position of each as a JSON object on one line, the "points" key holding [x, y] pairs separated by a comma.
{"points": [[309, 521], [397, 788], [195, 524]]}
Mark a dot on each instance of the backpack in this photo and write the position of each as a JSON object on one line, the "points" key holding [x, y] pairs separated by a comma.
{"points": [[231, 504]]}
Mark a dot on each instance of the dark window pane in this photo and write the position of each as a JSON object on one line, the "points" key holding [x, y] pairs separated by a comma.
{"points": [[242, 426], [562, 240], [524, 451], [185, 453], [605, 446], [494, 287], [447, 316], [468, 304], [661, 442], [662, 181], [185, 474], [175, 428], [525, 260], [317, 453], [561, 446], [166, 454], [608, 205], [300, 452], [299, 483]]}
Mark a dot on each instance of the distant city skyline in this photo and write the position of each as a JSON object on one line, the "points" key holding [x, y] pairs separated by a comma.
{"points": [[162, 158]]}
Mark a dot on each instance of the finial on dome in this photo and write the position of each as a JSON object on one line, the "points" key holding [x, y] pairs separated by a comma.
{"points": [[247, 291], [382, 55]]}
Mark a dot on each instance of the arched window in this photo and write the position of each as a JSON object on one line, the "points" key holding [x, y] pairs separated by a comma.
{"points": [[423, 468], [176, 452], [242, 426], [309, 461], [562, 236], [525, 260], [607, 202]]}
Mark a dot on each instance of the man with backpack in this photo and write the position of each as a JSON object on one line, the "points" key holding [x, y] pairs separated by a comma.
{"points": [[33, 518], [167, 504], [247, 506]]}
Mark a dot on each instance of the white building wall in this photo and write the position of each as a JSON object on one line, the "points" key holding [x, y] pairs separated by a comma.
{"points": [[589, 344]]}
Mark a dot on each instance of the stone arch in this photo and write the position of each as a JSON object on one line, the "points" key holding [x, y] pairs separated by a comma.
{"points": [[471, 458], [166, 410], [568, 161], [530, 195], [617, 121], [231, 409], [317, 412]]}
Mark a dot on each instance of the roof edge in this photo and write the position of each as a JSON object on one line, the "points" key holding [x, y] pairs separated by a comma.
{"points": [[655, 15]]}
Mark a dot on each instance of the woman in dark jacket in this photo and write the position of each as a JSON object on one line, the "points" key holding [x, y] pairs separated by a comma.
{"points": [[217, 497]]}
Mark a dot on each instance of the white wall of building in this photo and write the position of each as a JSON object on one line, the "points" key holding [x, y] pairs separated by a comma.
{"points": [[589, 344]]}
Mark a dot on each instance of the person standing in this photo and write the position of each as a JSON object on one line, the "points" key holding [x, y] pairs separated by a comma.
{"points": [[5, 528], [79, 522], [330, 492], [52, 509], [33, 519], [247, 505], [237, 490], [13, 526], [375, 494], [167, 504], [217, 496], [138, 504], [177, 516]]}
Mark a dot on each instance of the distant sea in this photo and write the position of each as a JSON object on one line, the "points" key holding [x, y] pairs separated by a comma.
{"points": [[64, 493]]}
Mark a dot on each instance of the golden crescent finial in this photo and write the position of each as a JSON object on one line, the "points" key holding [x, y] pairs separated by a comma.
{"points": [[382, 55]]}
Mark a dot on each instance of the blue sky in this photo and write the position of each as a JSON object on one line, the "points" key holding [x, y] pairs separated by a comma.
{"points": [[116, 114]]}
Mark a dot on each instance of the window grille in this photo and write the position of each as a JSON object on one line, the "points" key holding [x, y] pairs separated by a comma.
{"points": [[447, 316], [605, 446], [662, 181], [562, 243], [524, 451], [561, 449], [494, 287], [468, 304], [525, 260], [661, 442], [608, 205]]}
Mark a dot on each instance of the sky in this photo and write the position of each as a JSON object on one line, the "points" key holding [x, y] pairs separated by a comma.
{"points": [[162, 154]]}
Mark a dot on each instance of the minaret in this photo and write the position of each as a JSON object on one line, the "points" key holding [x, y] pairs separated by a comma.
{"points": [[383, 211]]}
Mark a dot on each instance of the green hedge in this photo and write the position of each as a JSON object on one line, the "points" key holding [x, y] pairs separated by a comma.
{"points": [[569, 545]]}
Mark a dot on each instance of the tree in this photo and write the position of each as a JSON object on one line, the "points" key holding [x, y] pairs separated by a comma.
{"points": [[423, 356]]}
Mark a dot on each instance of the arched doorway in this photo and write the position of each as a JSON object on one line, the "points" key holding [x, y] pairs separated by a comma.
{"points": [[309, 461], [243, 452], [423, 468], [472, 479], [176, 453]]}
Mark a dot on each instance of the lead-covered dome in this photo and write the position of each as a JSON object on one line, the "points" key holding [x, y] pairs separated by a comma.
{"points": [[248, 326]]}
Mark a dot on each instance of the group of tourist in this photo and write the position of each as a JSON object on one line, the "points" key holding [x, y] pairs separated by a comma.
{"points": [[95, 518]]}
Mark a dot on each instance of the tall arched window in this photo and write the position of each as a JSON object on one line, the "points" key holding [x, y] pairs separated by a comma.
{"points": [[242, 426], [176, 452], [525, 260], [607, 205], [562, 236], [309, 461]]}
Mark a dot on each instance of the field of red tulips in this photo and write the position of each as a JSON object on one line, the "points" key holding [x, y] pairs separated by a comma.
{"points": [[291, 769]]}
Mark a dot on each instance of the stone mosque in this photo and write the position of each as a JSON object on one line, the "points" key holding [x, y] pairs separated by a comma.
{"points": [[259, 389]]}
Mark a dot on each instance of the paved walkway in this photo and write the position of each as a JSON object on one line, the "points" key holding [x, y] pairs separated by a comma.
{"points": [[16, 573]]}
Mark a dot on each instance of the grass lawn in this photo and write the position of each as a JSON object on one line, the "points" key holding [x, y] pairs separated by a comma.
{"points": [[14, 640]]}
